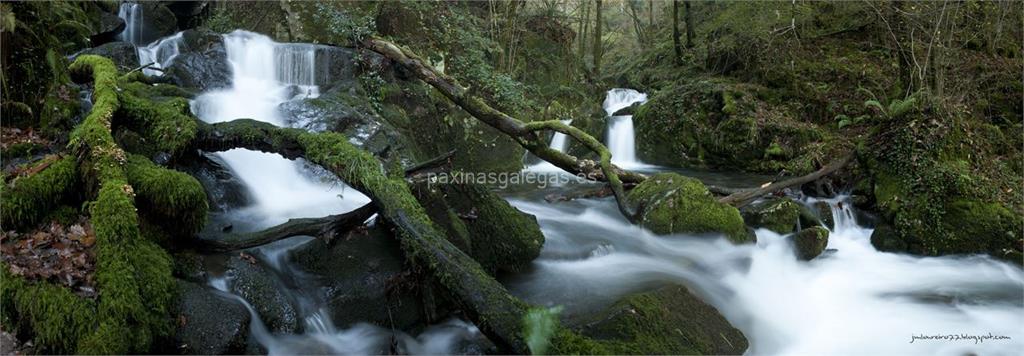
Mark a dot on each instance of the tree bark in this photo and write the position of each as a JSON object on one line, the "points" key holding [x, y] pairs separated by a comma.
{"points": [[675, 32], [323, 228], [598, 48], [689, 24], [744, 197]]}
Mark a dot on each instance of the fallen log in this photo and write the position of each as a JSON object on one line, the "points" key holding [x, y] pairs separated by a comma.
{"points": [[325, 228], [744, 197]]}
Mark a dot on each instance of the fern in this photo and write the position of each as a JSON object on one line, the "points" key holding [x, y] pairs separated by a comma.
{"points": [[898, 108]]}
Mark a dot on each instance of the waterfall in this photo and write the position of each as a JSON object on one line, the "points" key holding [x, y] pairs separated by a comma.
{"points": [[560, 141], [621, 138], [131, 13], [264, 75], [160, 53]]}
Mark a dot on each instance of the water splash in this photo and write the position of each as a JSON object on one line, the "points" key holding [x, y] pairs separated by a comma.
{"points": [[853, 300], [621, 136], [161, 53]]}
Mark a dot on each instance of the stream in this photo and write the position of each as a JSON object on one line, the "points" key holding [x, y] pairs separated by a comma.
{"points": [[851, 300]]}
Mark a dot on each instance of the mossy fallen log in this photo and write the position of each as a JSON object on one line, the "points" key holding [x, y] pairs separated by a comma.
{"points": [[29, 199], [174, 200], [133, 274]]}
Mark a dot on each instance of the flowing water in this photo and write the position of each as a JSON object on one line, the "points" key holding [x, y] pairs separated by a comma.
{"points": [[131, 13], [851, 300], [621, 137]]}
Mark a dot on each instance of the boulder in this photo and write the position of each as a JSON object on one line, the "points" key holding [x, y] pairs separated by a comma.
{"points": [[779, 215], [810, 242], [669, 320], [482, 224], [159, 21], [123, 54], [201, 63], [824, 214], [670, 203], [209, 322], [223, 190], [109, 27], [364, 278], [255, 283]]}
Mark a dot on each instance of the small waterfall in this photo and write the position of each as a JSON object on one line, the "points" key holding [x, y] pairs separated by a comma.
{"points": [[621, 138], [560, 141], [160, 53], [131, 13], [281, 188]]}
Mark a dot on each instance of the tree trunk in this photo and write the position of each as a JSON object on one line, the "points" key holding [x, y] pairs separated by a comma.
{"points": [[598, 48], [689, 25], [325, 228], [675, 32]]}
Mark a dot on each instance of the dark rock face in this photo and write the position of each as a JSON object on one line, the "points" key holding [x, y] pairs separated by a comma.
{"points": [[187, 12], [159, 21], [810, 242], [670, 320], [109, 27], [209, 322], [254, 282], [202, 62], [223, 190], [123, 54], [364, 279]]}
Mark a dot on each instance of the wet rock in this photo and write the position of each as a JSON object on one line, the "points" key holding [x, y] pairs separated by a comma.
{"points": [[671, 203], [109, 27], [159, 21], [629, 110], [254, 282], [346, 109], [824, 213], [482, 224], [122, 53], [338, 66], [669, 320], [202, 62], [364, 279], [187, 12], [810, 242], [223, 190], [779, 215], [209, 322]]}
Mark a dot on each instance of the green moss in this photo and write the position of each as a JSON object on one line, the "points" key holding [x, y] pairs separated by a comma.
{"points": [[28, 199], [669, 320], [566, 342], [671, 203], [54, 315], [165, 125], [174, 199], [810, 242], [778, 215]]}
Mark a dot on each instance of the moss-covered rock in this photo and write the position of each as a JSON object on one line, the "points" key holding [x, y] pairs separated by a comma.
{"points": [[671, 203], [810, 242], [492, 231], [779, 215], [669, 320]]}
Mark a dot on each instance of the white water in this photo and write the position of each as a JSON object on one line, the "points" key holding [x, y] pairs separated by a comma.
{"points": [[264, 75], [131, 13], [161, 53], [621, 137], [560, 142], [854, 300]]}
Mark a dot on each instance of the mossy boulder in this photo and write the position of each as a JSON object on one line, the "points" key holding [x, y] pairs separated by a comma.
{"points": [[810, 242], [670, 203], [669, 320], [779, 215], [489, 229], [209, 322], [718, 123]]}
